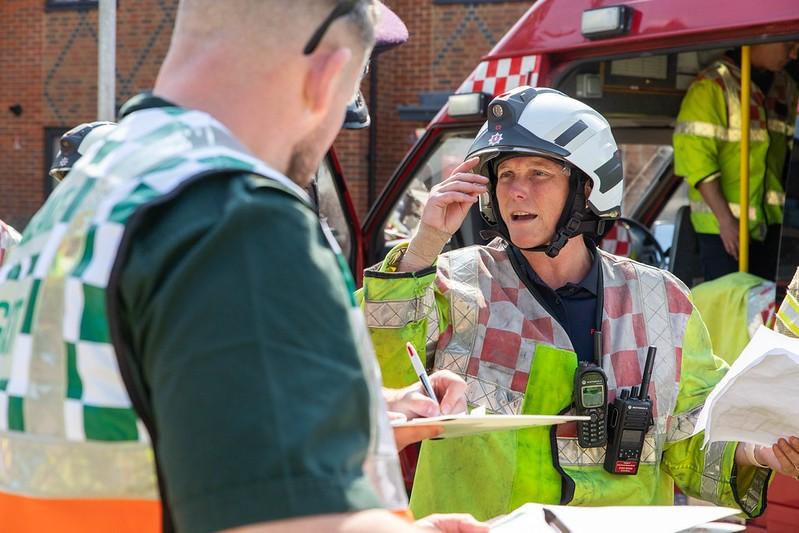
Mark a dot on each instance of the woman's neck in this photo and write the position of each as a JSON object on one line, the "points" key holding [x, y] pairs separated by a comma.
{"points": [[571, 265]]}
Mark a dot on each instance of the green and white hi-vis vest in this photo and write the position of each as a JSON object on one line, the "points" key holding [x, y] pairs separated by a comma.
{"points": [[476, 317], [67, 426]]}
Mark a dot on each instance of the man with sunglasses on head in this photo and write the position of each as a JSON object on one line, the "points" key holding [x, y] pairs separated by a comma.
{"points": [[176, 306]]}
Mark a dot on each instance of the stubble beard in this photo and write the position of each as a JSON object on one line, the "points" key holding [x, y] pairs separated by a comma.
{"points": [[303, 163]]}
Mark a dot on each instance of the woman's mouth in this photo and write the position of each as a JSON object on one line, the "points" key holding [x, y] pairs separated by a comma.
{"points": [[521, 216]]}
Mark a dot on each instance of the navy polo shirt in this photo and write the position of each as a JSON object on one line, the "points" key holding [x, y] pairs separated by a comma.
{"points": [[573, 305]]}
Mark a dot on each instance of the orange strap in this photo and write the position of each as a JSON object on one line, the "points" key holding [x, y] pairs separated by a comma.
{"points": [[32, 515]]}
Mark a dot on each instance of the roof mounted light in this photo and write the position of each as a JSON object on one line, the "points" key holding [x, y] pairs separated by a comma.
{"points": [[468, 105], [605, 22]]}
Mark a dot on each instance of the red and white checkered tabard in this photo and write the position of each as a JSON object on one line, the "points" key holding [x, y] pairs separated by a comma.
{"points": [[618, 240], [497, 76], [496, 323], [761, 306]]}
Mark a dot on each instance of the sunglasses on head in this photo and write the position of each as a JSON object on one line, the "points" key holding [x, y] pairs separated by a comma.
{"points": [[342, 9]]}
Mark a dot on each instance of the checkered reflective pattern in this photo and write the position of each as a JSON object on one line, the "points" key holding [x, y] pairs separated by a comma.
{"points": [[497, 76], [496, 324], [56, 353], [618, 240], [727, 75]]}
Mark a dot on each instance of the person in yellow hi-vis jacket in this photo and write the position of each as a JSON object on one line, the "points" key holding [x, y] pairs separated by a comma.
{"points": [[515, 317], [707, 154]]}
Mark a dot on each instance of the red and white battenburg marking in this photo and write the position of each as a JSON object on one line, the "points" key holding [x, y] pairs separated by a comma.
{"points": [[497, 76], [617, 240]]}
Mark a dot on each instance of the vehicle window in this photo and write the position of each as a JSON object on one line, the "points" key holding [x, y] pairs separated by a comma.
{"points": [[643, 164], [407, 212], [331, 207]]}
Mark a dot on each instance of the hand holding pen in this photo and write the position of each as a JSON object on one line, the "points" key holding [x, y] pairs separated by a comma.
{"points": [[421, 372], [415, 401]]}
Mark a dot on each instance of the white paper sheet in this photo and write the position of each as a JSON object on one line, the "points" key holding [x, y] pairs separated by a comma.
{"points": [[651, 519], [758, 400], [472, 424]]}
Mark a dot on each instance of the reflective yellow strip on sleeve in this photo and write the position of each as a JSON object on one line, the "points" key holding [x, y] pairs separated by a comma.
{"points": [[698, 206], [714, 131], [779, 126], [788, 314], [391, 314], [775, 198], [44, 467]]}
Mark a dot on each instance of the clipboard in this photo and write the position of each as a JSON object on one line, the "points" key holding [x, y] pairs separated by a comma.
{"points": [[465, 424]]}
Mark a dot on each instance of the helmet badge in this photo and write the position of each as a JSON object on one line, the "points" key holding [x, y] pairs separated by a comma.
{"points": [[495, 139]]}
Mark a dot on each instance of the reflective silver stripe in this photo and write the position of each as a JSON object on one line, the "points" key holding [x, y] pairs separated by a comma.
{"points": [[712, 476], [698, 206], [44, 467], [775, 198], [391, 313], [683, 425], [465, 294], [571, 454], [780, 126], [429, 310], [714, 131], [660, 333], [753, 498], [399, 313]]}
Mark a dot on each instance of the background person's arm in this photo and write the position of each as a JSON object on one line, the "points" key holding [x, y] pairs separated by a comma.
{"points": [[728, 225], [446, 209]]}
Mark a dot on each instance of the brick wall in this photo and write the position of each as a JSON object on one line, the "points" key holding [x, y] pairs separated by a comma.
{"points": [[48, 66], [21, 136]]}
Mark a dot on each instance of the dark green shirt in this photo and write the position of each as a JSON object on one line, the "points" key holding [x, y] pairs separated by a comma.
{"points": [[238, 322]]}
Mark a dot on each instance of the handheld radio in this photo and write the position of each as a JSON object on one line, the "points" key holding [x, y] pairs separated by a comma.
{"points": [[590, 397], [629, 418]]}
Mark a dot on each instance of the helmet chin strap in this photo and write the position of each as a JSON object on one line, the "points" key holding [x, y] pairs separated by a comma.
{"points": [[575, 219]]}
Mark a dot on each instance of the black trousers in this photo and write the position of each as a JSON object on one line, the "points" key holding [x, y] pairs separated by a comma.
{"points": [[716, 262]]}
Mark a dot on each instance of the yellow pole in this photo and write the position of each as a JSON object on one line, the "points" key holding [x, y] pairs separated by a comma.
{"points": [[743, 219]]}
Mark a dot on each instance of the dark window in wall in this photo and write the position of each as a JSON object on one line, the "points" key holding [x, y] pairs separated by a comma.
{"points": [[70, 4], [51, 138]]}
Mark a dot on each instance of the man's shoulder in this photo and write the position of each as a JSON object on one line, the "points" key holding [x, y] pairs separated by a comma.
{"points": [[224, 193], [230, 205]]}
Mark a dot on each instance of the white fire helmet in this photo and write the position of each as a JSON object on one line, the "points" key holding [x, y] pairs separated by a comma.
{"points": [[547, 123]]}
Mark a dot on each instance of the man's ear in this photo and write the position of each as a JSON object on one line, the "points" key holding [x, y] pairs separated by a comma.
{"points": [[324, 77]]}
